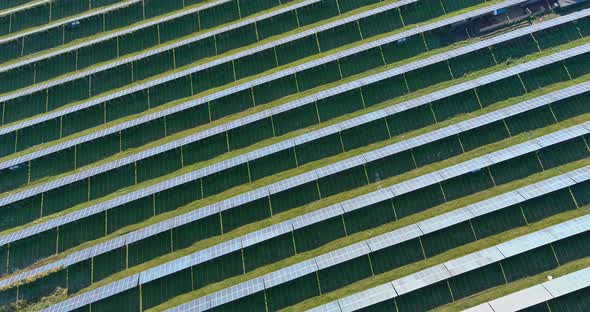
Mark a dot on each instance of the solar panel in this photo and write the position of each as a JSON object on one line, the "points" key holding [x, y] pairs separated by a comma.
{"points": [[267, 233], [525, 243], [366, 200], [416, 183], [545, 186], [473, 261], [571, 227], [290, 273], [521, 299], [484, 307], [392, 238], [445, 220], [495, 203], [317, 216], [340, 166], [420, 279], [580, 175], [237, 291], [569, 283], [367, 298], [342, 255], [561, 135], [472, 165]]}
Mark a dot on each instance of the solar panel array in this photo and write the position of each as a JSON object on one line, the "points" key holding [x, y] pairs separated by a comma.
{"points": [[261, 154]]}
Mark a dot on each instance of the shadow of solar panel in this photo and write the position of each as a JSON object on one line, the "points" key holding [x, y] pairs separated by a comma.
{"points": [[275, 89], [251, 133], [204, 149], [82, 120], [52, 67], [219, 14], [186, 119], [340, 104], [170, 91], [396, 255], [498, 221], [128, 15], [110, 181], [231, 104], [235, 38], [425, 298], [92, 151], [142, 134], [177, 196], [500, 90], [65, 197], [403, 49], [484, 135], [420, 11], [34, 16], [253, 302], [156, 7], [514, 49], [20, 212], [572, 248], [195, 51], [564, 152], [70, 92], [76, 232], [428, 76], [224, 180], [544, 76], [515, 168], [63, 9], [277, 24], [292, 292], [555, 36], [316, 12], [269, 251], [417, 201], [390, 166], [127, 300], [452, 106], [88, 26], [475, 281], [79, 276], [255, 63], [380, 23], [343, 181], [529, 263], [578, 300], [130, 213], [318, 75], [553, 203], [318, 149], [454, 5], [365, 134], [8, 296], [126, 105], [43, 286], [369, 217], [42, 40], [165, 288], [467, 184], [8, 144], [297, 49], [571, 107], [245, 214], [294, 197], [158, 165], [180, 27], [384, 90], [448, 238], [344, 273], [294, 119], [318, 234], [13, 177], [185, 235], [23, 107], [218, 269], [37, 134], [273, 163], [106, 264], [213, 77], [361, 62], [581, 193], [10, 50], [437, 150], [339, 36], [149, 248], [153, 65], [471, 62], [18, 78]]}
